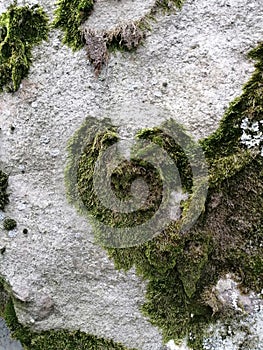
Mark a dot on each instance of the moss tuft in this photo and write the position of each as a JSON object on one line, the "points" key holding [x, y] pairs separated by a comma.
{"points": [[20, 29], [3, 186], [9, 224], [183, 267]]}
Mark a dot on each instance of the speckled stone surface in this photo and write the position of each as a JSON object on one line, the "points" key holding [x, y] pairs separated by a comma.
{"points": [[191, 66]]}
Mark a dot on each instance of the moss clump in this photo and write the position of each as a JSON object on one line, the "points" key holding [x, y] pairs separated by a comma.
{"points": [[20, 29], [9, 224], [3, 187], [97, 138], [70, 14], [227, 237], [151, 164], [53, 339]]}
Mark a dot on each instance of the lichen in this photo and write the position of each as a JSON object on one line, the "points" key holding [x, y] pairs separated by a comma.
{"points": [[20, 29], [70, 16], [182, 268], [52, 339]]}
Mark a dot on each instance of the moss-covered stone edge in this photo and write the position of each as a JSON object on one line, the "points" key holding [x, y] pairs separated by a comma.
{"points": [[21, 28], [182, 270], [70, 16], [9, 224], [52, 339]]}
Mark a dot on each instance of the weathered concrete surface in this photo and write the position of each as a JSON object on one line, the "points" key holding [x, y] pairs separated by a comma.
{"points": [[68, 281]]}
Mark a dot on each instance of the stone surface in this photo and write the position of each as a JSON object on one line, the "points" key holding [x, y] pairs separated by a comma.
{"points": [[191, 66], [109, 13], [245, 330], [6, 343]]}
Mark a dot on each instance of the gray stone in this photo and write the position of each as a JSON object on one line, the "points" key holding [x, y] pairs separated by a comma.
{"points": [[7, 343], [200, 53]]}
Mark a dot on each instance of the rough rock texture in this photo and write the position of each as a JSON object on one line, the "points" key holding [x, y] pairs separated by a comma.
{"points": [[191, 66], [109, 13]]}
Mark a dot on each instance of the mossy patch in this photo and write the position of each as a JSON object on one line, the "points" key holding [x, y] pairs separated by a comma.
{"points": [[226, 238], [9, 224], [125, 212], [182, 268], [3, 187], [53, 339], [70, 16], [20, 29]]}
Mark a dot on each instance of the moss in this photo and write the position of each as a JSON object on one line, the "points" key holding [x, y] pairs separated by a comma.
{"points": [[128, 224], [70, 16], [181, 267], [53, 339], [20, 29], [3, 187], [122, 178], [9, 224]]}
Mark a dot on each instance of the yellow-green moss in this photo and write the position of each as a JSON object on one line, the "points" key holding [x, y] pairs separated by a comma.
{"points": [[20, 29], [70, 16]]}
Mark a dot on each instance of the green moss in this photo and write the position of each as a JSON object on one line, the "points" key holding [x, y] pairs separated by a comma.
{"points": [[9, 224], [122, 178], [53, 339], [228, 236], [70, 14], [176, 152], [167, 4], [20, 29], [108, 220], [3, 187]]}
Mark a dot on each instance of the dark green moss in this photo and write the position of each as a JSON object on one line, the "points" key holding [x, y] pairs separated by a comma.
{"points": [[228, 236], [97, 137], [121, 181], [53, 339], [20, 29], [9, 224], [175, 151], [3, 187]]}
